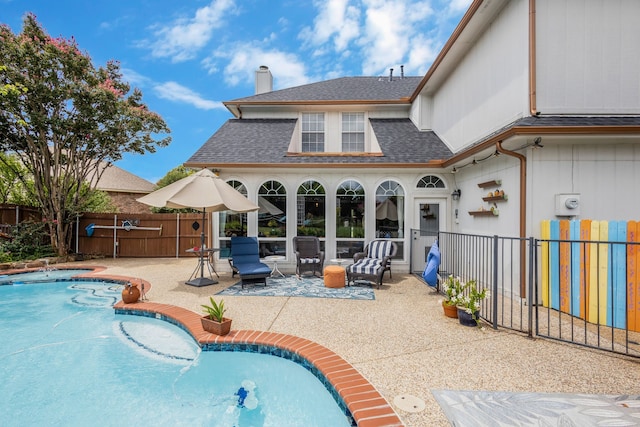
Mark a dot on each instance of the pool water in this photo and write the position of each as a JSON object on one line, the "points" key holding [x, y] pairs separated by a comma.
{"points": [[67, 359]]}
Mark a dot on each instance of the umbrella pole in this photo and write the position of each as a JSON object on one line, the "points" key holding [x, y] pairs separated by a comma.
{"points": [[202, 281]]}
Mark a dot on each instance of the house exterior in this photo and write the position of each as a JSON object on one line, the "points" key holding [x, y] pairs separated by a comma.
{"points": [[535, 101]]}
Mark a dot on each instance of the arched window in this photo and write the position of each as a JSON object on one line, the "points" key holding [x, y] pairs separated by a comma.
{"points": [[311, 209], [231, 223], [430, 181], [390, 210], [272, 219], [350, 216]]}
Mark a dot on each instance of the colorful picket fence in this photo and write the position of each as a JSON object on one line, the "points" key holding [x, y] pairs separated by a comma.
{"points": [[585, 272]]}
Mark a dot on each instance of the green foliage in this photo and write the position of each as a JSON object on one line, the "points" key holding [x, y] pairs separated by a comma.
{"points": [[453, 289], [30, 241], [215, 311], [12, 189], [66, 120]]}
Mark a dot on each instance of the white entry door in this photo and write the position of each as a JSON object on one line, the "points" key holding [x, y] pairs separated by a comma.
{"points": [[429, 219]]}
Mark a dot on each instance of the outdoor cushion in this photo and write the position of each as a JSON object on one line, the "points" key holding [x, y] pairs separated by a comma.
{"points": [[371, 264], [245, 255]]}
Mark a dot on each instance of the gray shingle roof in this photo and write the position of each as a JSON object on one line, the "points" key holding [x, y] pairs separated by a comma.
{"points": [[265, 141], [571, 121], [342, 89]]}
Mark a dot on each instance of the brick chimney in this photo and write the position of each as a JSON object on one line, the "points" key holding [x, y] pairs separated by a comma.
{"points": [[264, 80]]}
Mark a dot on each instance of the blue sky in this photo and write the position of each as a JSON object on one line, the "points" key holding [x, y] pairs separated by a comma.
{"points": [[189, 56]]}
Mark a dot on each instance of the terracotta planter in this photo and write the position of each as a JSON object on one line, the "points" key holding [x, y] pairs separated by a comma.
{"points": [[450, 310], [130, 294], [216, 327], [467, 319]]}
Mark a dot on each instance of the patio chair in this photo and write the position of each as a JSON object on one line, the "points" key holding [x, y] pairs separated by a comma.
{"points": [[309, 257], [373, 262], [245, 259]]}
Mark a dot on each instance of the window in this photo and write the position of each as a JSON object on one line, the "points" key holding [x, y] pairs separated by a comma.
{"points": [[352, 132], [231, 223], [430, 181], [272, 219], [390, 210], [311, 209], [349, 219], [390, 214], [312, 132]]}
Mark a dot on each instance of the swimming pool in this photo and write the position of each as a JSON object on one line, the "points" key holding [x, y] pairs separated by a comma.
{"points": [[67, 359]]}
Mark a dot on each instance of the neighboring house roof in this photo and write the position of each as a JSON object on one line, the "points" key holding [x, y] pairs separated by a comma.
{"points": [[250, 142], [115, 179], [362, 89]]}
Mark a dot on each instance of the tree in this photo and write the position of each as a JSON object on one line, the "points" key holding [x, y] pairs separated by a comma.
{"points": [[67, 120]]}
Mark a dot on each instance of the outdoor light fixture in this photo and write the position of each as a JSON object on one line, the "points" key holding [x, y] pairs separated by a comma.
{"points": [[456, 194]]}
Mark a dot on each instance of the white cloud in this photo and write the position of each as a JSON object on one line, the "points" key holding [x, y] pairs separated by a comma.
{"points": [[178, 93], [336, 21], [134, 78], [182, 40], [389, 28], [245, 58], [458, 6]]}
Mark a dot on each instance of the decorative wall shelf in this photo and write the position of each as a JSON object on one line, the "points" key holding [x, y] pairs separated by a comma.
{"points": [[492, 183], [493, 212], [496, 198]]}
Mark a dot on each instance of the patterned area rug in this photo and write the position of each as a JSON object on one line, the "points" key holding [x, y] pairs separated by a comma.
{"points": [[310, 287], [484, 408]]}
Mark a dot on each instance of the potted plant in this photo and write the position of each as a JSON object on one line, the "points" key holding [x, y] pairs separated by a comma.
{"points": [[214, 321], [469, 304], [453, 290]]}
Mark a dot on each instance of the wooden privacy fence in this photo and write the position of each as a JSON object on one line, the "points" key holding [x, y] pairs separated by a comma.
{"points": [[591, 269], [139, 235]]}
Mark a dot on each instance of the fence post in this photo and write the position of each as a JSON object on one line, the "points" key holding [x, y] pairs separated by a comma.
{"points": [[494, 290], [178, 235], [530, 295]]}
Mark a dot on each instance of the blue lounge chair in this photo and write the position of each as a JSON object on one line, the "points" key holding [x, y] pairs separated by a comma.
{"points": [[245, 260]]}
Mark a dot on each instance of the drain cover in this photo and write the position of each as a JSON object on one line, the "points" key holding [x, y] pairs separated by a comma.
{"points": [[409, 403]]}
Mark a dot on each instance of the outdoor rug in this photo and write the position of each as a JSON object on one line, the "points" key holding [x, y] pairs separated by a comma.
{"points": [[484, 408], [291, 286]]}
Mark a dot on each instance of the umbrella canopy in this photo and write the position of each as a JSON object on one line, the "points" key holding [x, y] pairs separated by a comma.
{"points": [[203, 191], [387, 210]]}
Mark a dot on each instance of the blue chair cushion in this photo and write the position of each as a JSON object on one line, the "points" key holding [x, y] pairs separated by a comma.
{"points": [[247, 269]]}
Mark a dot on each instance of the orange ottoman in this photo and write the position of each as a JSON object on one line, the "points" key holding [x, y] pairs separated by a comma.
{"points": [[334, 276]]}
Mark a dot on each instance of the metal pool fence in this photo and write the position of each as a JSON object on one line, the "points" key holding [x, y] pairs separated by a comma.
{"points": [[577, 291]]}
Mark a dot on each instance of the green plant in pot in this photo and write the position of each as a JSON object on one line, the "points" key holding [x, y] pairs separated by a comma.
{"points": [[452, 288], [469, 304], [214, 321]]}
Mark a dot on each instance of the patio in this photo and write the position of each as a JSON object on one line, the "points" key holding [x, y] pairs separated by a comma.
{"points": [[401, 342]]}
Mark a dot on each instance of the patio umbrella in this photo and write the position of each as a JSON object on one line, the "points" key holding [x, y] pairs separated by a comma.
{"points": [[203, 191]]}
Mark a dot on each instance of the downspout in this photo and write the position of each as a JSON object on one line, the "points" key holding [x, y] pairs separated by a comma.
{"points": [[533, 107], [523, 213]]}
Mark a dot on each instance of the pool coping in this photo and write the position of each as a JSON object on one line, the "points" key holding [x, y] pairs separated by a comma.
{"points": [[367, 407]]}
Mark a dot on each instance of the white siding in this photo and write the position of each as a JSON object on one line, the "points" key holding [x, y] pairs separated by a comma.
{"points": [[605, 174], [587, 56], [489, 88], [503, 168]]}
